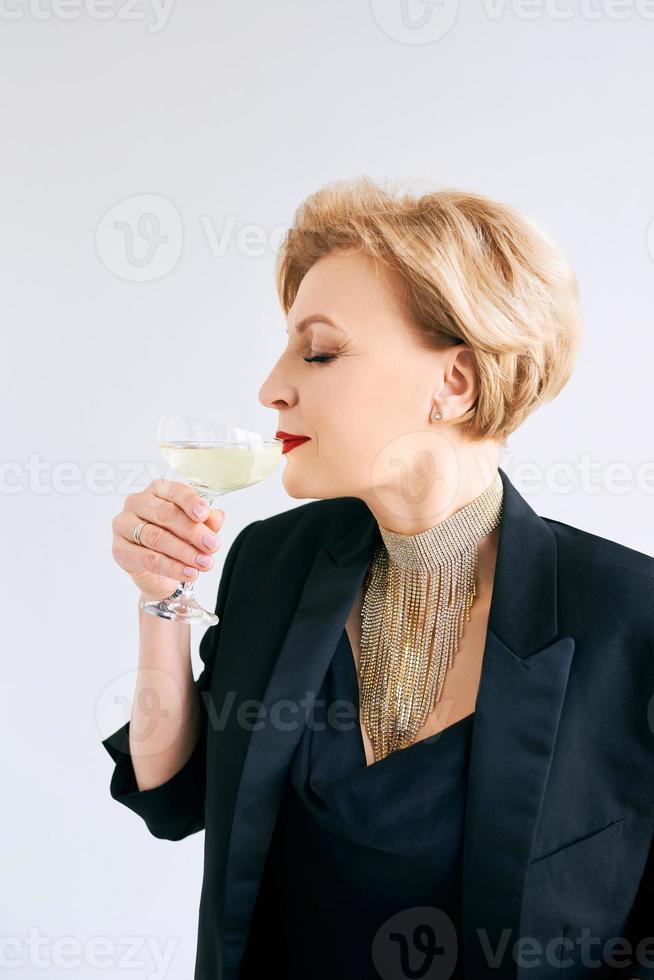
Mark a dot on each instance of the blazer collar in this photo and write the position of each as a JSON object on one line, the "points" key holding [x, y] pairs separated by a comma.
{"points": [[523, 680]]}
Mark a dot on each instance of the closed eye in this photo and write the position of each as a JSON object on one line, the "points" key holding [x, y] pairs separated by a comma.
{"points": [[319, 358]]}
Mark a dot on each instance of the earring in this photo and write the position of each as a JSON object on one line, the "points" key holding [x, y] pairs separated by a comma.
{"points": [[435, 415]]}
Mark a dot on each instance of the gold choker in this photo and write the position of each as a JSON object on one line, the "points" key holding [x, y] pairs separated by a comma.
{"points": [[417, 593]]}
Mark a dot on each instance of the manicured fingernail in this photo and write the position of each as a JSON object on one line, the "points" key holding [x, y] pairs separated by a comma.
{"points": [[200, 511], [205, 560], [189, 572], [209, 540]]}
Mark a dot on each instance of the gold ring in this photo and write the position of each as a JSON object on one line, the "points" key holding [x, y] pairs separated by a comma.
{"points": [[136, 533]]}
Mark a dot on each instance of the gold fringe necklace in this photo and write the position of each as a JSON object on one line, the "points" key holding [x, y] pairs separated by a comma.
{"points": [[417, 594]]}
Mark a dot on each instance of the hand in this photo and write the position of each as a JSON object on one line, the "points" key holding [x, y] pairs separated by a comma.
{"points": [[171, 540]]}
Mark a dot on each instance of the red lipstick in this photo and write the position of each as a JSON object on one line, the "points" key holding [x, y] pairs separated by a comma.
{"points": [[290, 440]]}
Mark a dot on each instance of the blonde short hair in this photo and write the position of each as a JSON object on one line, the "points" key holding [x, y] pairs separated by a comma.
{"points": [[468, 269]]}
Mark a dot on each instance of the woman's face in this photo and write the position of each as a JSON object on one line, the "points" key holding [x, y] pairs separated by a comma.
{"points": [[366, 407]]}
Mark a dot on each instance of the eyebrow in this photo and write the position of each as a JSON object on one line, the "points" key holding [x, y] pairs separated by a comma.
{"points": [[315, 318]]}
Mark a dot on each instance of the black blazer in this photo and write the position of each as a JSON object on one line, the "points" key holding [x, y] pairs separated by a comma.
{"points": [[560, 812]]}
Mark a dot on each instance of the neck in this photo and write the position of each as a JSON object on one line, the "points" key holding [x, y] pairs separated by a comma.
{"points": [[422, 501]]}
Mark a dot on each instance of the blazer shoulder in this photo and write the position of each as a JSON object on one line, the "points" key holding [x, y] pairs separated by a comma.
{"points": [[585, 548], [314, 522]]}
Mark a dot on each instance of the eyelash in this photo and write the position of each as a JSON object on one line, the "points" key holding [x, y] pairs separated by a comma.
{"points": [[319, 358]]}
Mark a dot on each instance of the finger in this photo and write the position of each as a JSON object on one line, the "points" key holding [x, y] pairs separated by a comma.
{"points": [[160, 539], [134, 558], [167, 514], [186, 498], [215, 520]]}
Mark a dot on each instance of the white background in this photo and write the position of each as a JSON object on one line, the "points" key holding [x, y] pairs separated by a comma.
{"points": [[230, 114]]}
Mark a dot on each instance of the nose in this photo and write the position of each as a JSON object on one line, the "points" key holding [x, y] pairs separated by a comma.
{"points": [[276, 393]]}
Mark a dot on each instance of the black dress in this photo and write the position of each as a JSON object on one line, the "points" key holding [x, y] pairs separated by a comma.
{"points": [[362, 878]]}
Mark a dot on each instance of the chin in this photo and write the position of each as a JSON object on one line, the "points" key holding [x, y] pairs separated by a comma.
{"points": [[294, 485], [302, 484]]}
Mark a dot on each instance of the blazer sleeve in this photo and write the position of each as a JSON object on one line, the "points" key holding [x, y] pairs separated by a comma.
{"points": [[640, 925], [175, 808]]}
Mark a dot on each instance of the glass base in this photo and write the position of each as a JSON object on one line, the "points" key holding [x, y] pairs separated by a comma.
{"points": [[182, 608]]}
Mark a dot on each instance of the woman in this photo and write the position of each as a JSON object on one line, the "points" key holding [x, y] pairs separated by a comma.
{"points": [[422, 745]]}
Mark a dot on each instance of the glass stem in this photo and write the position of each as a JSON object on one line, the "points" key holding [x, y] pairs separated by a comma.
{"points": [[187, 588]]}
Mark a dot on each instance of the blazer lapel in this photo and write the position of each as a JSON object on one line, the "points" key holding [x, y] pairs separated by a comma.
{"points": [[524, 674], [298, 672], [525, 670]]}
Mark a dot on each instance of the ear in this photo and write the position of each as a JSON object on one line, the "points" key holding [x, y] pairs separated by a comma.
{"points": [[461, 375]]}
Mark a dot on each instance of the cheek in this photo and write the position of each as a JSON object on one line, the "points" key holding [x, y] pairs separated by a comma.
{"points": [[332, 402], [357, 410]]}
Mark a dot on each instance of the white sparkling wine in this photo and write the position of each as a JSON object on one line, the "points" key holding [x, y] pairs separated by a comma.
{"points": [[222, 467]]}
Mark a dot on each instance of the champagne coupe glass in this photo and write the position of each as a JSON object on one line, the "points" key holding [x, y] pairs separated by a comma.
{"points": [[213, 459]]}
